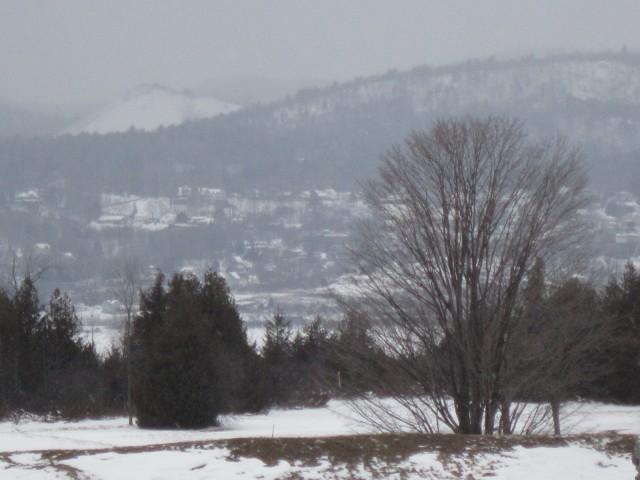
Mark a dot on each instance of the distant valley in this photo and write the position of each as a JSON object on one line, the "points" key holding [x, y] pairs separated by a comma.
{"points": [[268, 195]]}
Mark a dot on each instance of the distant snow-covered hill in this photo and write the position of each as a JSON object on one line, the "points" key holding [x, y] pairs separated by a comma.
{"points": [[149, 107], [545, 83], [594, 99]]}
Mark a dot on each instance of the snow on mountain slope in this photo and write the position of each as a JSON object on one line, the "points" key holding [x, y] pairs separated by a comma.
{"points": [[594, 99], [537, 83], [149, 107]]}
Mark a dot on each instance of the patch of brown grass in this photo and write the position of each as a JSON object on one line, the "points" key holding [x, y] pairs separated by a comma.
{"points": [[375, 453]]}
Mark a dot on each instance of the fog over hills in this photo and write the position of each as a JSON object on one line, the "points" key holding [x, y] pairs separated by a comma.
{"points": [[220, 221], [333, 136], [247, 90], [268, 194], [148, 107], [20, 121]]}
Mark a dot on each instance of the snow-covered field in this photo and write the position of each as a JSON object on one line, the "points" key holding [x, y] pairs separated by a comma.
{"points": [[110, 449], [115, 432]]}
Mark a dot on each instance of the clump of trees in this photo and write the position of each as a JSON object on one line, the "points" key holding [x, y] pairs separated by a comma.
{"points": [[189, 357], [298, 368], [557, 333], [44, 367], [621, 306], [191, 360]]}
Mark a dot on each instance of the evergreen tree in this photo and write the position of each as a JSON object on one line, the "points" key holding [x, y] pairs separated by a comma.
{"points": [[114, 381], [190, 353], [309, 353], [28, 370], [10, 334], [353, 357], [57, 330], [622, 354], [277, 354]]}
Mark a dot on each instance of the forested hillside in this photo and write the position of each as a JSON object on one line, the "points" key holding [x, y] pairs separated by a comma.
{"points": [[332, 137], [268, 194]]}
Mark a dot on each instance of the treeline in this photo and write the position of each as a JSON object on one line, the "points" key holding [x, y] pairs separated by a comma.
{"points": [[44, 367], [191, 360], [621, 305]]}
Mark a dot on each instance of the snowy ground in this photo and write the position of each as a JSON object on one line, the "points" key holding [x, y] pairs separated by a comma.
{"points": [[95, 434], [109, 448]]}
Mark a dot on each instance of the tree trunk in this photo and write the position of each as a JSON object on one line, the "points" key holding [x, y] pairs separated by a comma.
{"points": [[128, 348], [477, 408], [505, 418], [476, 418], [555, 411], [489, 418], [462, 412]]}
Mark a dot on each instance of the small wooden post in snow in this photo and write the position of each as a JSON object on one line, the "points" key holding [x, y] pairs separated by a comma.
{"points": [[635, 456]]}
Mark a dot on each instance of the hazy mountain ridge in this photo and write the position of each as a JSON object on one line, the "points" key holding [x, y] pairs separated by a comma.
{"points": [[604, 77], [569, 86], [332, 137], [593, 99]]}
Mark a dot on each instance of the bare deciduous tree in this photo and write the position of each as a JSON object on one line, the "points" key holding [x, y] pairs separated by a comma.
{"points": [[460, 215], [24, 266], [127, 290]]}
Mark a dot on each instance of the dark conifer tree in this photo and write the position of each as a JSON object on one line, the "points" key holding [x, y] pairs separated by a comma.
{"points": [[10, 335], [27, 310], [69, 369], [277, 354], [190, 353], [622, 304], [309, 352], [57, 330], [353, 358], [114, 381]]}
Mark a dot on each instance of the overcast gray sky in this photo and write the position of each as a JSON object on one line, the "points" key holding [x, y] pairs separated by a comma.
{"points": [[57, 52]]}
